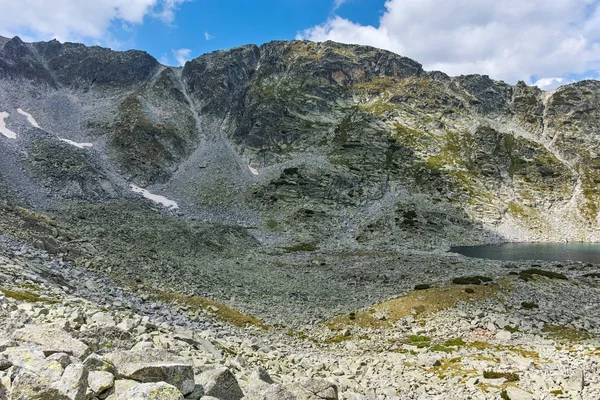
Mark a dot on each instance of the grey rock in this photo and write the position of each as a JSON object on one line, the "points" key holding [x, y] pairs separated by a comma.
{"points": [[95, 362], [74, 382], [100, 381], [151, 391], [220, 383], [154, 366], [576, 382], [50, 340], [515, 393], [314, 389]]}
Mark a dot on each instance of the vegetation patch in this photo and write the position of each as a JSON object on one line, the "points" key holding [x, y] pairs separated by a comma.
{"points": [[25, 296], [528, 274], [301, 247], [594, 275], [421, 302], [509, 376], [511, 329], [338, 338], [565, 334], [419, 341], [222, 312], [422, 286], [471, 280], [529, 305]]}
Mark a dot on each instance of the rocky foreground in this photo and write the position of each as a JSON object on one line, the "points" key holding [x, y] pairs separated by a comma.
{"points": [[69, 334]]}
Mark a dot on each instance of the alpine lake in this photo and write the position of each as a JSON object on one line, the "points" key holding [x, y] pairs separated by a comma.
{"points": [[584, 252]]}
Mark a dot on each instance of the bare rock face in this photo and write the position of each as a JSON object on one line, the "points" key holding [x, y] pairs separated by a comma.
{"points": [[340, 129], [153, 365], [50, 341], [152, 391], [220, 383]]}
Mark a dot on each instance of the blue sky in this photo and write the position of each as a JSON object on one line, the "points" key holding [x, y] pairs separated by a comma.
{"points": [[543, 42], [233, 23]]}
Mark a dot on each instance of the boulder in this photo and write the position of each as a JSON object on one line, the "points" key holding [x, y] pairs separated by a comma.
{"points": [[154, 366], [152, 391], [220, 383], [50, 340], [100, 381], [95, 362], [277, 392], [314, 389], [74, 382], [515, 393]]}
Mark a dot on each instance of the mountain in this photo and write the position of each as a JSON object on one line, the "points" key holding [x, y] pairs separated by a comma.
{"points": [[312, 145]]}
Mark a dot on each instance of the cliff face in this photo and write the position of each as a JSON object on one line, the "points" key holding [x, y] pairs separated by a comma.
{"points": [[318, 144]]}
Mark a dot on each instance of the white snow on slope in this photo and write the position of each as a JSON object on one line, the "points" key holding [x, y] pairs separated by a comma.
{"points": [[3, 129], [30, 118], [78, 145], [253, 170], [154, 197]]}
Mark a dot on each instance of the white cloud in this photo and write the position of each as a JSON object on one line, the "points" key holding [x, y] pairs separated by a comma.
{"points": [[182, 56], [549, 83], [78, 20], [164, 60], [506, 39], [208, 36], [337, 4]]}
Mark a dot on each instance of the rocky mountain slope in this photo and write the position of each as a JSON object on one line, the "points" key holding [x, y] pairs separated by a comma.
{"points": [[347, 146], [271, 223], [69, 334]]}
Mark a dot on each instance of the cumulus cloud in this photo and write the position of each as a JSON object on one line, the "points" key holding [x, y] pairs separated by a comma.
{"points": [[79, 20], [208, 36], [506, 39], [182, 56], [549, 83]]}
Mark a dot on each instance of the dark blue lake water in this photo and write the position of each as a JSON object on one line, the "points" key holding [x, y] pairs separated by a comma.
{"points": [[586, 252]]}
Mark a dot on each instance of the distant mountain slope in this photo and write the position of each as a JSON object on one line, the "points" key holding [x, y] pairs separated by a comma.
{"points": [[313, 144]]}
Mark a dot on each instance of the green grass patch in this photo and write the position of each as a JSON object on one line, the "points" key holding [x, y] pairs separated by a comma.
{"points": [[419, 341], [529, 305], [509, 376], [458, 342], [301, 247], [565, 334], [422, 286], [338, 339], [511, 329], [528, 274], [471, 280], [25, 296]]}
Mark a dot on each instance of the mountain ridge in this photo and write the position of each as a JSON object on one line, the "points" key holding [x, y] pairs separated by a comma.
{"points": [[233, 134]]}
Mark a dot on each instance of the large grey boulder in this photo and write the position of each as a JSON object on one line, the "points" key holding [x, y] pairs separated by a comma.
{"points": [[74, 382], [220, 383], [515, 393], [154, 365], [34, 377], [50, 341], [152, 391], [100, 381], [313, 389]]}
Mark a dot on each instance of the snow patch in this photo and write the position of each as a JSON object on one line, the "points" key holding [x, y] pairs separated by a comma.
{"points": [[3, 129], [253, 170], [78, 145], [30, 118], [154, 197]]}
